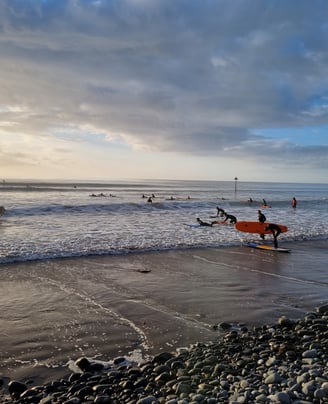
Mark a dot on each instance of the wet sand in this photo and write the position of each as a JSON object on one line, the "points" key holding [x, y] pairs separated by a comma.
{"points": [[142, 304]]}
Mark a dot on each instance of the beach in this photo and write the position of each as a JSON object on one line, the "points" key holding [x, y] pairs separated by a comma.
{"points": [[137, 305]]}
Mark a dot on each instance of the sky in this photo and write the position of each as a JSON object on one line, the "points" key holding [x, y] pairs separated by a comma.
{"points": [[164, 89]]}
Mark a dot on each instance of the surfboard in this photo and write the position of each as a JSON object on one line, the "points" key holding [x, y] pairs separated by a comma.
{"points": [[221, 222], [192, 225], [257, 227], [266, 247]]}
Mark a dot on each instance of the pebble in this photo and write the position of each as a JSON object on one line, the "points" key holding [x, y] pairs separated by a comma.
{"points": [[284, 363]]}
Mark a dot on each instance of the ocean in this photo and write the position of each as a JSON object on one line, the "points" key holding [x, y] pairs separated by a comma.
{"points": [[46, 220], [115, 275]]}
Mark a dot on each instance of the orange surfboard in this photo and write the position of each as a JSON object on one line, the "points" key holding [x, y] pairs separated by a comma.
{"points": [[257, 227]]}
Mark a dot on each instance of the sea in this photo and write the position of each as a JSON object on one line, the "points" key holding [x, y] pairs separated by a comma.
{"points": [[48, 220], [93, 269]]}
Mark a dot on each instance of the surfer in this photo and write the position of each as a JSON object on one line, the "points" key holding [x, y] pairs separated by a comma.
{"points": [[264, 202], [261, 216], [262, 219], [201, 223], [220, 212], [232, 218], [275, 230], [294, 202]]}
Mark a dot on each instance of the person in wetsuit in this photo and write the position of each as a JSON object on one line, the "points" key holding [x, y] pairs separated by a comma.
{"points": [[275, 230], [220, 211], [232, 218], [262, 219], [201, 223], [294, 202]]}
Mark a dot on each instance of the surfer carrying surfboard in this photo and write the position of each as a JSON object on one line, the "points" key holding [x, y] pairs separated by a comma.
{"points": [[275, 229]]}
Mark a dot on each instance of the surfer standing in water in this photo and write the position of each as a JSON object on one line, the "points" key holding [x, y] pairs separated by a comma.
{"points": [[262, 219], [275, 230], [294, 202]]}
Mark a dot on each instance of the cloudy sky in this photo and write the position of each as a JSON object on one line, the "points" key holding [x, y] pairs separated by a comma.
{"points": [[172, 89]]}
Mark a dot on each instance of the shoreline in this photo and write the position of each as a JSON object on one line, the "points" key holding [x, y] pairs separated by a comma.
{"points": [[108, 306]]}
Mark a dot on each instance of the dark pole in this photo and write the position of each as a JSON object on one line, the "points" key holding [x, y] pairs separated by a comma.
{"points": [[236, 179]]}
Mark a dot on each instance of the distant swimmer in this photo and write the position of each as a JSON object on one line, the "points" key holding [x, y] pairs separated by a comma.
{"points": [[201, 223], [149, 200], [264, 204], [231, 218], [294, 202], [99, 195], [2, 210], [250, 200], [275, 230]]}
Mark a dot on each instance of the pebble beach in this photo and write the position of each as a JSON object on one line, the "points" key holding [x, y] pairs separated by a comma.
{"points": [[285, 362]]}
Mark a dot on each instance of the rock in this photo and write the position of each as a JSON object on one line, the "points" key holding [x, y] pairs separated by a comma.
{"points": [[162, 357], [322, 309], [273, 378], [148, 400], [281, 398], [83, 363], [285, 322], [16, 388], [312, 353], [225, 326]]}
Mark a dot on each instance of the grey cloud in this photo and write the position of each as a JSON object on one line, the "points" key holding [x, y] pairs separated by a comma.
{"points": [[194, 76]]}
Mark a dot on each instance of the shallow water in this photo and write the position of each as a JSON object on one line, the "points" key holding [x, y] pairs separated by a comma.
{"points": [[139, 304]]}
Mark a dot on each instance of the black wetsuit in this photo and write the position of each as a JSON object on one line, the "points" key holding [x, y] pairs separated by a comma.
{"points": [[275, 229], [201, 223], [262, 218], [232, 219], [220, 212]]}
